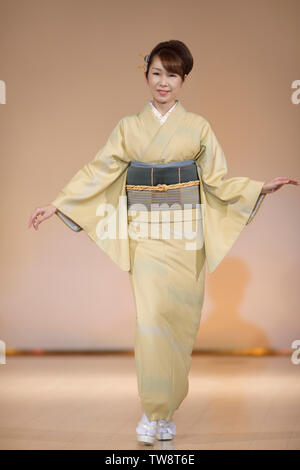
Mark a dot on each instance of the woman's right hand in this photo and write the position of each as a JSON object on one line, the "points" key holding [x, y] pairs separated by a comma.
{"points": [[45, 212]]}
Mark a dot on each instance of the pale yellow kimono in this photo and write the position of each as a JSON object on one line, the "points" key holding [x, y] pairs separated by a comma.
{"points": [[167, 280], [228, 204]]}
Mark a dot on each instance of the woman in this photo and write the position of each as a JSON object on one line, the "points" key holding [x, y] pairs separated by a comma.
{"points": [[162, 172]]}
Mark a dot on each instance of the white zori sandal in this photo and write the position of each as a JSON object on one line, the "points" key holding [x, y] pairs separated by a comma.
{"points": [[165, 430], [146, 430]]}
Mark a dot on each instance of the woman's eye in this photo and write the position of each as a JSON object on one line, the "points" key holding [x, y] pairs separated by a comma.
{"points": [[156, 73]]}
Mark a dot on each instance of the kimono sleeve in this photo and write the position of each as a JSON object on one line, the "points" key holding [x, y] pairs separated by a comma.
{"points": [[99, 182], [228, 204]]}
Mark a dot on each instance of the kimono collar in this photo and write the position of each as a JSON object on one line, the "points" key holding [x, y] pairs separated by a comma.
{"points": [[156, 135], [162, 117], [148, 118]]}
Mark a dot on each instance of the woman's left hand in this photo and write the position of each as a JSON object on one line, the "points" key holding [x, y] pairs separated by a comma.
{"points": [[276, 183]]}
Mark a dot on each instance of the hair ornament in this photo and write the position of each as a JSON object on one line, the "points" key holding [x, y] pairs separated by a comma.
{"points": [[146, 60]]}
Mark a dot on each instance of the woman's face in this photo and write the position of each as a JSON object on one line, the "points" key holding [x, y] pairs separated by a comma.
{"points": [[160, 79]]}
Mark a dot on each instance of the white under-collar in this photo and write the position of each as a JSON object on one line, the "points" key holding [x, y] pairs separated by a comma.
{"points": [[162, 117]]}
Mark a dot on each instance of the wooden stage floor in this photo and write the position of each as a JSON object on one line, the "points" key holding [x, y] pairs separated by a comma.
{"points": [[91, 402]]}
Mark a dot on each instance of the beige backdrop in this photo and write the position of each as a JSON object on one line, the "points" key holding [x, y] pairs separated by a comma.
{"points": [[71, 72]]}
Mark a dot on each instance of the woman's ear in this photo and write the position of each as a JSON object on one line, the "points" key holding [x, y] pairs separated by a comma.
{"points": [[183, 81]]}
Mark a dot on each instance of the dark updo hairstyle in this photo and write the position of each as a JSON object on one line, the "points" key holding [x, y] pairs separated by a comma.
{"points": [[175, 57]]}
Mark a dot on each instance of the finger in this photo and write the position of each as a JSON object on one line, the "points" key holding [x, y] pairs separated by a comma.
{"points": [[34, 215], [286, 179], [36, 221], [31, 221], [283, 179], [289, 181], [292, 181]]}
